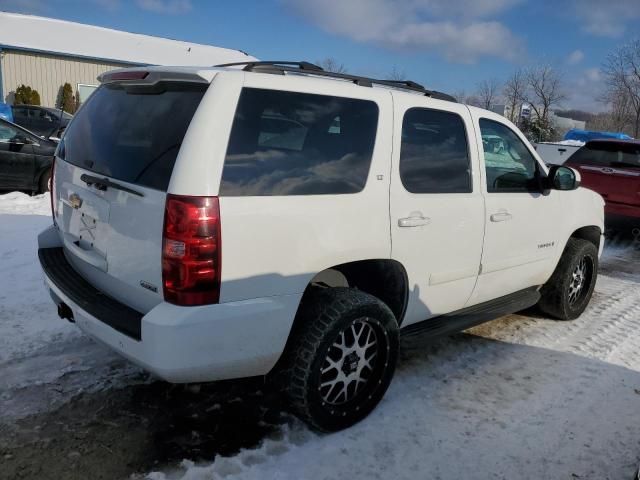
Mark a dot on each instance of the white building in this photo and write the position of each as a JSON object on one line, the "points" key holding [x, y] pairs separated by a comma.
{"points": [[45, 53], [565, 124]]}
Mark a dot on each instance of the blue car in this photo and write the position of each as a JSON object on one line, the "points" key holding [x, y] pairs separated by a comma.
{"points": [[6, 112]]}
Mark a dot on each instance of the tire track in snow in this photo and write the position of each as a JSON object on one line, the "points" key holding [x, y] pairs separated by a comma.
{"points": [[607, 330], [609, 326]]}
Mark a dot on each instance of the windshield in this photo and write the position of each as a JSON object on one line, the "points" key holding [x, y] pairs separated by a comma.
{"points": [[57, 112], [133, 133]]}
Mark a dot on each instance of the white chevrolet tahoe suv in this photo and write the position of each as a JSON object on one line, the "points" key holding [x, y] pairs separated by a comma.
{"points": [[274, 220]]}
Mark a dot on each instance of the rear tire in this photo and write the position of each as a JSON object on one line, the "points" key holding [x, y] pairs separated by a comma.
{"points": [[341, 358], [567, 293], [43, 184]]}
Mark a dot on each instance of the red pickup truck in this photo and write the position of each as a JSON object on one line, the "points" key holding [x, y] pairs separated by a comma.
{"points": [[612, 168]]}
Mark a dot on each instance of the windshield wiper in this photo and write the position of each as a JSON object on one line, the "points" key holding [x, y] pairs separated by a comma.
{"points": [[104, 183]]}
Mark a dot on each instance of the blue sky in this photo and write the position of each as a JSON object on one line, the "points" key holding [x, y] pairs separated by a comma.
{"points": [[448, 45]]}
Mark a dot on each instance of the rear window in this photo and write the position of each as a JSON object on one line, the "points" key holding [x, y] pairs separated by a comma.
{"points": [[288, 143], [131, 133]]}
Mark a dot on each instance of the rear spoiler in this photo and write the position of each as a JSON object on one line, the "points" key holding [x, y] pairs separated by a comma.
{"points": [[151, 76]]}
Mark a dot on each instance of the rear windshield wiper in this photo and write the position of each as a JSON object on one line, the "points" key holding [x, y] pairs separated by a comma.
{"points": [[104, 183]]}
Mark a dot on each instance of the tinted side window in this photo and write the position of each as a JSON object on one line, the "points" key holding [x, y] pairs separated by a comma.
{"points": [[7, 132], [608, 155], [509, 164], [19, 113], [434, 155], [590, 156], [288, 143], [628, 158]]}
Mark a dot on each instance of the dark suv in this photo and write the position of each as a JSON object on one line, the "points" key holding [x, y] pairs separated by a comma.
{"points": [[44, 121], [612, 168]]}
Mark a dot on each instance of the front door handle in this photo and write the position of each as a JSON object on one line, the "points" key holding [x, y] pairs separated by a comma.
{"points": [[415, 219], [501, 217]]}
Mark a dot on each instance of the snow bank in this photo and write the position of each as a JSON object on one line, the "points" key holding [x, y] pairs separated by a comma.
{"points": [[572, 143], [18, 203]]}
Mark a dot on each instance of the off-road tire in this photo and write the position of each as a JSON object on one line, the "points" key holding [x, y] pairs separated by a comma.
{"points": [[325, 315], [43, 183], [555, 300]]}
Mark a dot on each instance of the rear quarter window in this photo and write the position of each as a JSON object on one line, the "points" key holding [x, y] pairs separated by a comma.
{"points": [[131, 133], [289, 143]]}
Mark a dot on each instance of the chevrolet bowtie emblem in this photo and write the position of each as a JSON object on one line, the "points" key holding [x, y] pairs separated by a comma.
{"points": [[75, 200]]}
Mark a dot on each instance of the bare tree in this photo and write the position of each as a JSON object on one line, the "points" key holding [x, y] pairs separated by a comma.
{"points": [[622, 73], [621, 115], [463, 97], [544, 90], [460, 95], [396, 74], [487, 93], [330, 64], [514, 93], [473, 100]]}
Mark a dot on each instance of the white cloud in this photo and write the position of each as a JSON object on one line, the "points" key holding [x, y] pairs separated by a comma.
{"points": [[575, 57], [165, 6], [585, 89], [465, 8], [606, 19], [593, 74], [460, 30]]}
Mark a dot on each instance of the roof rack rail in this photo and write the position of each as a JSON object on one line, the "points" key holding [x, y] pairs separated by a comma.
{"points": [[251, 65], [407, 83], [281, 67]]}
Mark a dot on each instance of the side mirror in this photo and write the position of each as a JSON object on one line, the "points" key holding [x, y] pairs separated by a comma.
{"points": [[563, 178]]}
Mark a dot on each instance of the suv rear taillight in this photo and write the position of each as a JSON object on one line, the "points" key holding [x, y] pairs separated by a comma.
{"points": [[191, 250]]}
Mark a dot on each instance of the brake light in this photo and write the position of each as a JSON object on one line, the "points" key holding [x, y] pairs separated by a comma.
{"points": [[191, 250], [126, 75], [52, 187]]}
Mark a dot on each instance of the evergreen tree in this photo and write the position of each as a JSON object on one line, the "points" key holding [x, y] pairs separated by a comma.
{"points": [[26, 95], [67, 100]]}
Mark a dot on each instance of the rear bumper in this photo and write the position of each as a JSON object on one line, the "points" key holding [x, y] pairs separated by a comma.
{"points": [[178, 344]]}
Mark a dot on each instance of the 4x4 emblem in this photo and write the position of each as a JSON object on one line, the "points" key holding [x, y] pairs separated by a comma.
{"points": [[75, 201]]}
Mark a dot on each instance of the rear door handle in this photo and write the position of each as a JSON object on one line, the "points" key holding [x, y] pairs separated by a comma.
{"points": [[415, 219], [501, 217]]}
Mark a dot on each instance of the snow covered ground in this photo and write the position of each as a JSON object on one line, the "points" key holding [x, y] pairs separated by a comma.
{"points": [[36, 347], [28, 320], [520, 397]]}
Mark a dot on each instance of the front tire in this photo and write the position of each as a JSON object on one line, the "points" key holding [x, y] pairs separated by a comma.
{"points": [[342, 357], [567, 293]]}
